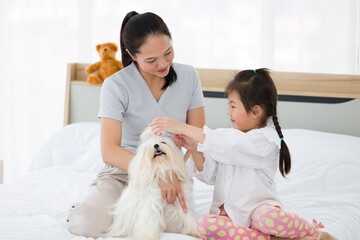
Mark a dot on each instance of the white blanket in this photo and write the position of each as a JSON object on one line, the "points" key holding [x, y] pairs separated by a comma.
{"points": [[324, 184]]}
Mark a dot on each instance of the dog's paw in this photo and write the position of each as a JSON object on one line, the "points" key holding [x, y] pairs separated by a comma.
{"points": [[191, 232]]}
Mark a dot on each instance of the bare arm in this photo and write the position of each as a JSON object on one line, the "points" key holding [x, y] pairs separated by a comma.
{"points": [[111, 150], [196, 117], [191, 146], [199, 159]]}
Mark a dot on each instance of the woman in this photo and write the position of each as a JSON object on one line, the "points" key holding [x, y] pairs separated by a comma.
{"points": [[150, 85]]}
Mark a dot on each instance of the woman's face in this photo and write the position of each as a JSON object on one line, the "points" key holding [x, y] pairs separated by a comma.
{"points": [[155, 55]]}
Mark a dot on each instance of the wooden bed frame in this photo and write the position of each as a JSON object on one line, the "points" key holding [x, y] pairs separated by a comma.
{"points": [[328, 98]]}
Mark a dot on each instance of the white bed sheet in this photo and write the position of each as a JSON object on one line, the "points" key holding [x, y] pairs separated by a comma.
{"points": [[324, 184]]}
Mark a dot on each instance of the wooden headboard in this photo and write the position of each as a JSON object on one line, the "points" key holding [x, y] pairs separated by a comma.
{"points": [[303, 91]]}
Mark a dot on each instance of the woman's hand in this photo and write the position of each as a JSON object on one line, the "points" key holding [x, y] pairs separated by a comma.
{"points": [[166, 124], [172, 189]]}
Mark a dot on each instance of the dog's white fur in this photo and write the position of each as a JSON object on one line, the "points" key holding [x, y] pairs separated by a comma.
{"points": [[141, 212]]}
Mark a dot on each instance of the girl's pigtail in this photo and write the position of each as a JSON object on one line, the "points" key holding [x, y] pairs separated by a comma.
{"points": [[284, 158]]}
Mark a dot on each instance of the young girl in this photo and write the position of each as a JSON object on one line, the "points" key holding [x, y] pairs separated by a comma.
{"points": [[241, 162]]}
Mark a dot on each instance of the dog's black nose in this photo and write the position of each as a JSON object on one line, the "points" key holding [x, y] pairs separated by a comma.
{"points": [[156, 146]]}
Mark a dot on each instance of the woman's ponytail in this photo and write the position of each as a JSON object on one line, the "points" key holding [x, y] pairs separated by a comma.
{"points": [[125, 57]]}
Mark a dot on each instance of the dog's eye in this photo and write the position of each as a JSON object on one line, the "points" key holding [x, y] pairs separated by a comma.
{"points": [[164, 143]]}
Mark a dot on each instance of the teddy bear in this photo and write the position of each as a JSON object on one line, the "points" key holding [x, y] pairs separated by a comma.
{"points": [[107, 66]]}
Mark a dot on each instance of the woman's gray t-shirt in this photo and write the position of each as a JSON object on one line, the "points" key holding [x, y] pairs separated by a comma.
{"points": [[126, 97]]}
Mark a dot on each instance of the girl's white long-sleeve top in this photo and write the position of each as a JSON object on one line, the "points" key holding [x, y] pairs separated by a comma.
{"points": [[241, 166]]}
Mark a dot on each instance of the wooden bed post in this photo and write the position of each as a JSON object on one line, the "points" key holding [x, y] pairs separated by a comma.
{"points": [[69, 74]]}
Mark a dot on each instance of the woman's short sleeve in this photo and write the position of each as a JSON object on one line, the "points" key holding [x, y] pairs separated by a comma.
{"points": [[113, 100], [197, 99]]}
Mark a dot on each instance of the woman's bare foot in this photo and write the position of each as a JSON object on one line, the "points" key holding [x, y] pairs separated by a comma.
{"points": [[327, 236]]}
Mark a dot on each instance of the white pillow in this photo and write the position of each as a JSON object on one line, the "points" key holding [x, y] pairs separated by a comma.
{"points": [[77, 145]]}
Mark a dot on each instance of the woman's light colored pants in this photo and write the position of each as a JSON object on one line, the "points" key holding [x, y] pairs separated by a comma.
{"points": [[91, 218]]}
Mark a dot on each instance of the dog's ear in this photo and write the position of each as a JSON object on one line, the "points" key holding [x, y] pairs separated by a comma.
{"points": [[140, 169], [179, 162]]}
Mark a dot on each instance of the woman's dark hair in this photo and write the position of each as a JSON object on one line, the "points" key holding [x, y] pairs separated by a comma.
{"points": [[256, 87], [135, 30]]}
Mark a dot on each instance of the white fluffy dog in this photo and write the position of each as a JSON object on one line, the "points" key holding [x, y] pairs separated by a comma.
{"points": [[141, 212]]}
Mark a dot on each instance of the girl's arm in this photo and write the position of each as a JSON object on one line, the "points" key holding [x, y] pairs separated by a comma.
{"points": [[111, 150], [199, 159], [196, 117], [191, 146]]}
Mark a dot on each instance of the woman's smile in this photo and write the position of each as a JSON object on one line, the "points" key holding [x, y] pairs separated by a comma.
{"points": [[163, 70]]}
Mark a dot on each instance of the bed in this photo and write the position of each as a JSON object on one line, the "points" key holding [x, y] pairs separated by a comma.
{"points": [[324, 182]]}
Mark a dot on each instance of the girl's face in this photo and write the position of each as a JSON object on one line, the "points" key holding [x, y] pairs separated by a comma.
{"points": [[155, 55], [240, 118]]}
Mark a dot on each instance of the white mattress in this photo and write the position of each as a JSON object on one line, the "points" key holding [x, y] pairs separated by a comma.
{"points": [[324, 184]]}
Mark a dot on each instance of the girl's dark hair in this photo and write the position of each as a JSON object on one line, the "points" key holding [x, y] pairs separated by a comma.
{"points": [[256, 87], [135, 30]]}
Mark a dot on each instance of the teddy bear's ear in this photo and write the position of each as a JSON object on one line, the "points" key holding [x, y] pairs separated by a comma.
{"points": [[98, 47], [114, 46]]}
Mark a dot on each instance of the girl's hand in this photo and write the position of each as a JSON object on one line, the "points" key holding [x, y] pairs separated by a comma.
{"points": [[179, 142], [166, 124], [172, 189], [184, 141]]}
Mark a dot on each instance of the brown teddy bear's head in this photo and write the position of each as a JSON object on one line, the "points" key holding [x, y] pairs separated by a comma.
{"points": [[107, 50]]}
